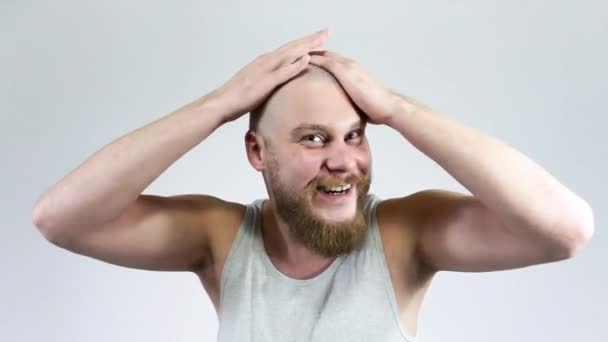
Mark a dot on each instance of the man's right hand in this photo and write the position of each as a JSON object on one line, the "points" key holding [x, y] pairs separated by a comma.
{"points": [[254, 82]]}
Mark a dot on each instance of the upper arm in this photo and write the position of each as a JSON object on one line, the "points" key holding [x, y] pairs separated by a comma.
{"points": [[156, 233], [456, 232]]}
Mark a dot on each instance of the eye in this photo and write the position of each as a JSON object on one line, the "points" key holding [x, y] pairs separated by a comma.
{"points": [[314, 138], [355, 134]]}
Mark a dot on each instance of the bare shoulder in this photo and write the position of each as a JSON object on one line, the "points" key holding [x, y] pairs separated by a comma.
{"points": [[406, 215], [222, 230], [397, 217], [223, 220], [399, 224]]}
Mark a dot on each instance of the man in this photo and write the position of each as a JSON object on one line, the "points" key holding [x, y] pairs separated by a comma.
{"points": [[321, 259]]}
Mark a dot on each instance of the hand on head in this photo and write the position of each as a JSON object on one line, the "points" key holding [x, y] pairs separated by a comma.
{"points": [[254, 82]]}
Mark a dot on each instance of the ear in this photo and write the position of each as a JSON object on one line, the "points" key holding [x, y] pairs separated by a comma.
{"points": [[254, 145]]}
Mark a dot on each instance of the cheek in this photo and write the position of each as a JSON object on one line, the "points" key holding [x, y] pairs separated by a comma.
{"points": [[303, 168], [364, 159]]}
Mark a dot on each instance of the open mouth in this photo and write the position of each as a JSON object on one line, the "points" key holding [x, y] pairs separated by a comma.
{"points": [[335, 190]]}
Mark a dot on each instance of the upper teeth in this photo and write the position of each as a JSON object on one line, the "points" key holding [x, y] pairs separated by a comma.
{"points": [[337, 188]]}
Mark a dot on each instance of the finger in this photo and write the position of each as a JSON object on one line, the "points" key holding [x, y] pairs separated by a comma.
{"points": [[305, 38], [333, 55], [286, 72], [292, 51], [324, 62]]}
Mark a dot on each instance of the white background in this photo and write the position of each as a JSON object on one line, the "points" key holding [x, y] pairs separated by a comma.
{"points": [[75, 75]]}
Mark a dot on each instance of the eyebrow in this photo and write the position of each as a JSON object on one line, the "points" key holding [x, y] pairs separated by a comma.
{"points": [[319, 127]]}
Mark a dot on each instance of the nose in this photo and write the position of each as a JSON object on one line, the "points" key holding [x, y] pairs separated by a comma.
{"points": [[342, 159]]}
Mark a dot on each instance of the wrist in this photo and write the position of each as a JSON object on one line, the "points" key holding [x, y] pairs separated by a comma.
{"points": [[212, 106], [405, 108]]}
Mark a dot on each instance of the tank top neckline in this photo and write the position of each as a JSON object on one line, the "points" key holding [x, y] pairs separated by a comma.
{"points": [[272, 269]]}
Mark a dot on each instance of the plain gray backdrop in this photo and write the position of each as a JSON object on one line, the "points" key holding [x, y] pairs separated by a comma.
{"points": [[75, 75]]}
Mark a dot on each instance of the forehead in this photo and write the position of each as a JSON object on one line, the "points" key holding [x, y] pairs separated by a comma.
{"points": [[309, 100]]}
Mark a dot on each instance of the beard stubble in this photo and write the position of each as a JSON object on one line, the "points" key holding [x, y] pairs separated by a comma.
{"points": [[329, 239]]}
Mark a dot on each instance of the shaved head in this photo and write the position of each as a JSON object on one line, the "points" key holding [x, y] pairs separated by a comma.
{"points": [[285, 94]]}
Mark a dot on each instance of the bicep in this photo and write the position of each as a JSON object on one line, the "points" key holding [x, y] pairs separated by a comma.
{"points": [[153, 233], [458, 233]]}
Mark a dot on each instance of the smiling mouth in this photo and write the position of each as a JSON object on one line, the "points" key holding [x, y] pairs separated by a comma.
{"points": [[335, 190]]}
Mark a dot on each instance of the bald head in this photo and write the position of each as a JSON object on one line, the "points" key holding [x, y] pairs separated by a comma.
{"points": [[312, 83]]}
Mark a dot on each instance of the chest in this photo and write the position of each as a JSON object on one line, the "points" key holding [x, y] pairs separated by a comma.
{"points": [[350, 304]]}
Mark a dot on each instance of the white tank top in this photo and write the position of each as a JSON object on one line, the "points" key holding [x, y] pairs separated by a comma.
{"points": [[351, 300]]}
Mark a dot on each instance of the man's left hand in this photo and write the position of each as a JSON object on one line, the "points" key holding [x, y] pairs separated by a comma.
{"points": [[375, 99]]}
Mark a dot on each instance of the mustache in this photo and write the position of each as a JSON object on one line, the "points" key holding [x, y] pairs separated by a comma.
{"points": [[337, 181]]}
